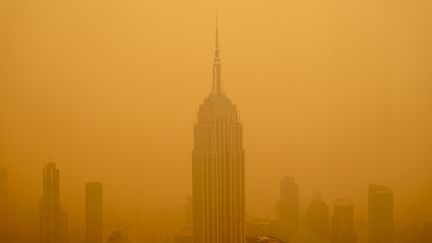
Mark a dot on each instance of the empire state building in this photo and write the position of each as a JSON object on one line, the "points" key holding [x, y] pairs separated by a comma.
{"points": [[218, 167]]}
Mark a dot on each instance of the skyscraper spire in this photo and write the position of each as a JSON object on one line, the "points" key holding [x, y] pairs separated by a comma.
{"points": [[217, 38], [217, 89], [218, 162]]}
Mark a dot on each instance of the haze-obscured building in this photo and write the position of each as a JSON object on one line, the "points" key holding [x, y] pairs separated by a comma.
{"points": [[289, 210], [257, 227], [410, 233], [343, 222], [263, 239], [381, 222], [189, 214], [53, 219], [318, 216], [94, 212]]}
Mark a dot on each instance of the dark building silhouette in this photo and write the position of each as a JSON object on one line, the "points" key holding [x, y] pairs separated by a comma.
{"points": [[317, 216], [343, 222], [94, 212], [289, 210], [380, 214], [218, 167], [3, 206], [53, 219]]}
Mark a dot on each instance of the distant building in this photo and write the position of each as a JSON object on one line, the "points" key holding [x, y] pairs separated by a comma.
{"points": [[263, 239], [189, 214], [185, 236], [94, 212], [53, 219], [3, 206], [289, 210], [317, 216], [118, 236], [409, 233], [380, 214], [343, 222], [258, 227], [412, 233]]}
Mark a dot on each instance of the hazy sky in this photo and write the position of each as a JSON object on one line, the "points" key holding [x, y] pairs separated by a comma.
{"points": [[335, 93]]}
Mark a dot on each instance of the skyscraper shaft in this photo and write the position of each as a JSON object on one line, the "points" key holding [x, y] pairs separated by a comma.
{"points": [[218, 167], [94, 213], [343, 222], [53, 219], [289, 209], [380, 214]]}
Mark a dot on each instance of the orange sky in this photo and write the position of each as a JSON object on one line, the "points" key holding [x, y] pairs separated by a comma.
{"points": [[335, 93]]}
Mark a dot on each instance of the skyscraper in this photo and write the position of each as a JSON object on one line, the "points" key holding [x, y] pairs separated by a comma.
{"points": [[289, 209], [53, 219], [380, 214], [218, 167], [317, 216], [343, 222], [94, 212], [3, 206]]}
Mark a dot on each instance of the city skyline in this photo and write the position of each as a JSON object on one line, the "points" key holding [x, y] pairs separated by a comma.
{"points": [[303, 146], [335, 96], [54, 220]]}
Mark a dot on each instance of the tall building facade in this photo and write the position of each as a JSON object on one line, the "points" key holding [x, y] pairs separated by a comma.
{"points": [[343, 222], [53, 219], [289, 210], [317, 216], [3, 206], [380, 214], [94, 212], [218, 167]]}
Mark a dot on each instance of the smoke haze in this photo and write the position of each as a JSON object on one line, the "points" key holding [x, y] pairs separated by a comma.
{"points": [[334, 93]]}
